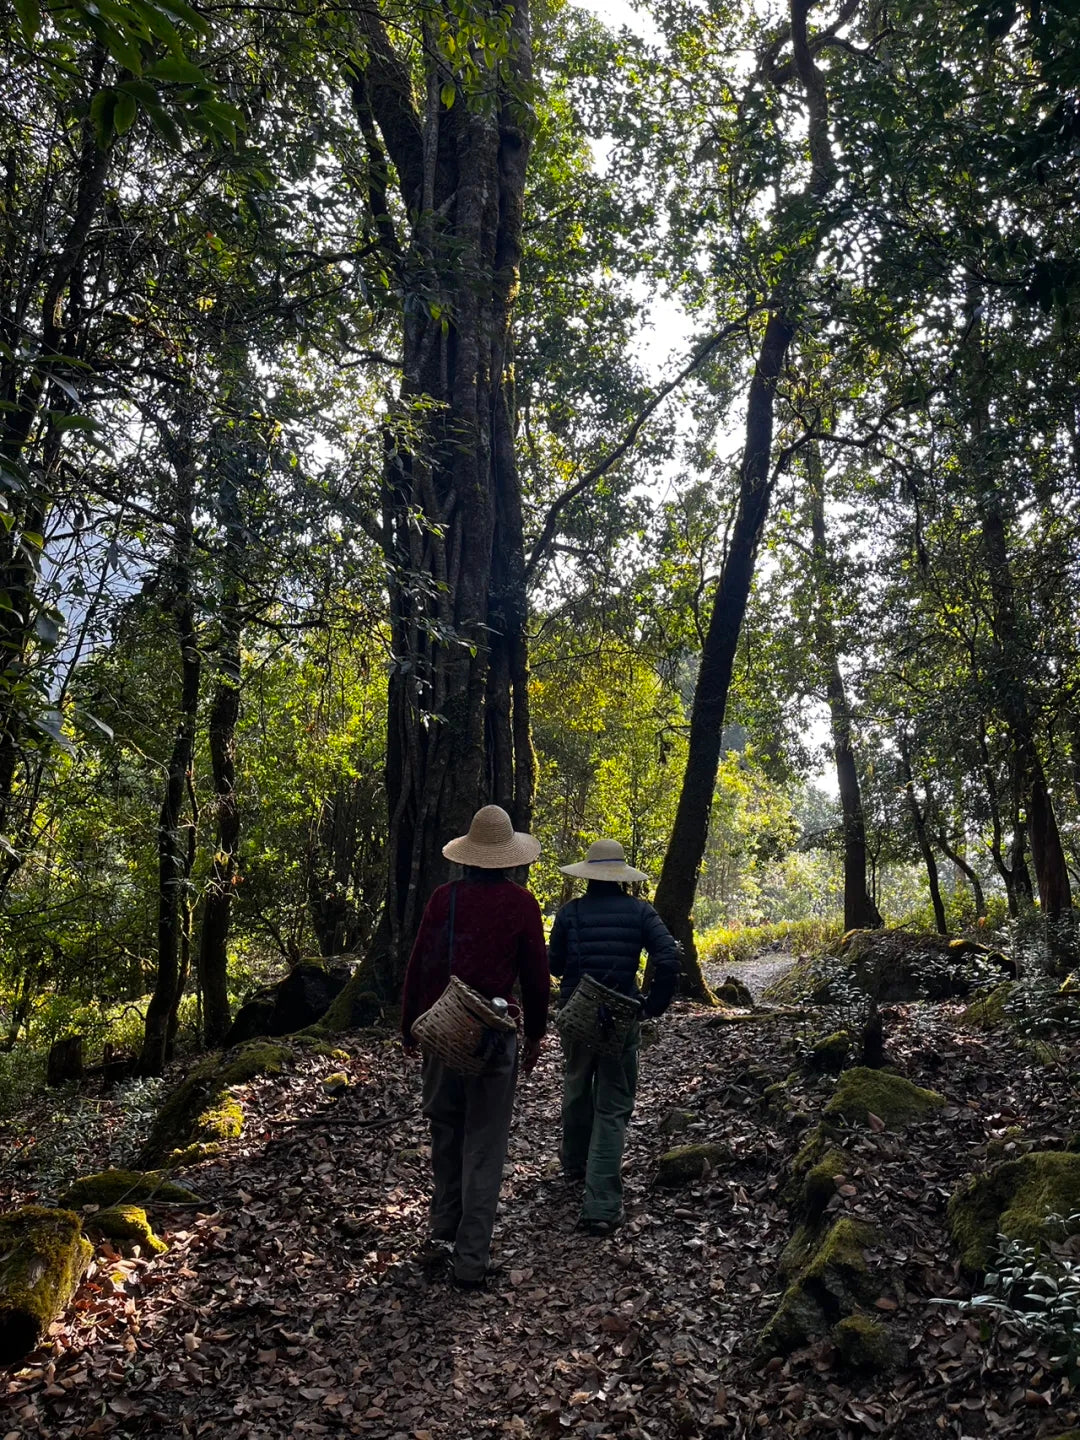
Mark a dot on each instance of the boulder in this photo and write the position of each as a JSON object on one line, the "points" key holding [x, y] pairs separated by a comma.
{"points": [[114, 1187], [734, 992], [884, 965], [988, 1012], [1014, 1198], [677, 1122], [816, 1172], [44, 1256], [200, 1110], [864, 1343], [300, 999], [861, 1092], [686, 1163], [126, 1226], [830, 1281], [829, 1053]]}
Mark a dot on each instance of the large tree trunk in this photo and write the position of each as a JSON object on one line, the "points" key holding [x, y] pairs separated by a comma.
{"points": [[458, 731], [175, 849], [686, 847], [1011, 655], [918, 821], [224, 714], [860, 912]]}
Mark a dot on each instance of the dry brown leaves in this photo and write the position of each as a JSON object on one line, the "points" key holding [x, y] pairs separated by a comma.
{"points": [[291, 1306]]}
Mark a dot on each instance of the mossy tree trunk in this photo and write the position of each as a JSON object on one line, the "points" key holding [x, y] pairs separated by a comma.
{"points": [[224, 714], [458, 731]]}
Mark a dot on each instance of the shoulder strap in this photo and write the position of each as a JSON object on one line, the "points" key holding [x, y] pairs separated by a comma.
{"points": [[450, 930]]}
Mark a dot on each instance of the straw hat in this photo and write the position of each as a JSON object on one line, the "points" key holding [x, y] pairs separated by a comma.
{"points": [[492, 842], [605, 860]]}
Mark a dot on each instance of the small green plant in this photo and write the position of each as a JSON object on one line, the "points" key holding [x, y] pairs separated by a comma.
{"points": [[1035, 1292], [722, 945]]}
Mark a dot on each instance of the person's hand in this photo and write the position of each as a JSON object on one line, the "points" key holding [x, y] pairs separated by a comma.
{"points": [[530, 1055]]}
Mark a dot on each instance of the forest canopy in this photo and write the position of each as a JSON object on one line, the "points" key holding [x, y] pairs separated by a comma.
{"points": [[346, 483]]}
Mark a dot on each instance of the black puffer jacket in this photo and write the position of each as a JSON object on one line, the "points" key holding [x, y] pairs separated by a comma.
{"points": [[602, 934]]}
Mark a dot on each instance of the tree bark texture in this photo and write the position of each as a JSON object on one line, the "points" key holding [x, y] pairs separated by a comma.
{"points": [[175, 850], [860, 912], [686, 847], [918, 821], [1010, 653], [458, 733], [224, 714]]}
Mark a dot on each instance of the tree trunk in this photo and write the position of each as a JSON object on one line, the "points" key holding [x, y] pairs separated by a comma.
{"points": [[25, 390], [965, 869], [686, 847], [65, 1061], [918, 821], [860, 912], [458, 731], [174, 847], [1012, 655], [224, 714]]}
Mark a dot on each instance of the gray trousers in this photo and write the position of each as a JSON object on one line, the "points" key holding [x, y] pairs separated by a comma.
{"points": [[470, 1127]]}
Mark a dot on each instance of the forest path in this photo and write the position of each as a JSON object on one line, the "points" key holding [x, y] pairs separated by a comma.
{"points": [[757, 973], [290, 1304]]}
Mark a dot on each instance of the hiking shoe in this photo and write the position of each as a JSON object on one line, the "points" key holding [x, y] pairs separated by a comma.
{"points": [[434, 1252], [602, 1227], [475, 1282]]}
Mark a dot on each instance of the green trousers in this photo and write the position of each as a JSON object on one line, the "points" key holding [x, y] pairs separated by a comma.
{"points": [[598, 1101]]}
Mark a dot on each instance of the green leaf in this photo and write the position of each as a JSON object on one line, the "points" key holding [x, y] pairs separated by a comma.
{"points": [[448, 94], [124, 115], [29, 13], [102, 109], [175, 70]]}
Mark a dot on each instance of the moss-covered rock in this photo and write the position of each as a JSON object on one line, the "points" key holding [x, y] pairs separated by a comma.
{"points": [[816, 1171], [42, 1259], [194, 1154], [885, 965], [864, 1343], [677, 1122], [686, 1163], [829, 1054], [114, 1187], [988, 1012], [830, 1280], [335, 1084], [896, 1101], [200, 1109], [1014, 1199], [126, 1226], [356, 1008], [248, 1062], [220, 1122], [734, 992]]}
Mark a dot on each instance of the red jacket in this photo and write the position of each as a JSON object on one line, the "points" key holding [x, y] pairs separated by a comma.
{"points": [[498, 939]]}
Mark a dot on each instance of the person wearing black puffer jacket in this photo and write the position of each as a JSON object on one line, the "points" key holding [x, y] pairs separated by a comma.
{"points": [[602, 933]]}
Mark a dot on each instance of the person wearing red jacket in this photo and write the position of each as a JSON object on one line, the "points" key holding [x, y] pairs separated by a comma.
{"points": [[487, 931]]}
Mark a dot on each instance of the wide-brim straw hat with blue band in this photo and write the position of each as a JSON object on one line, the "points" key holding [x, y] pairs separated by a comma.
{"points": [[492, 842], [604, 860]]}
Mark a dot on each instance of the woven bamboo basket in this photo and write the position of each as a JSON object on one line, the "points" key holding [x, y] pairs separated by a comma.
{"points": [[597, 1017], [458, 1028]]}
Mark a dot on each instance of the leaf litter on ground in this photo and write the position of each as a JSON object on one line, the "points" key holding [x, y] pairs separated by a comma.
{"points": [[291, 1304]]}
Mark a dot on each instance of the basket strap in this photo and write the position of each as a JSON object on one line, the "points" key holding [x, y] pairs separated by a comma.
{"points": [[450, 932]]}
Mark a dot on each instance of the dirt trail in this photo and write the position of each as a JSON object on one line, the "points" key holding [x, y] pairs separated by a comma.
{"points": [[289, 1304]]}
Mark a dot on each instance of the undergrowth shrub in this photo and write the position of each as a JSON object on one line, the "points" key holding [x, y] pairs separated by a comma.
{"points": [[722, 945], [1034, 1292]]}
